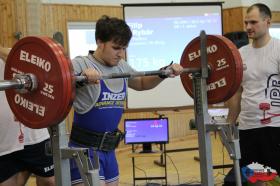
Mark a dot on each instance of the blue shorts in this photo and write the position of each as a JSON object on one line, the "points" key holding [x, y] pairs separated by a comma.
{"points": [[108, 170]]}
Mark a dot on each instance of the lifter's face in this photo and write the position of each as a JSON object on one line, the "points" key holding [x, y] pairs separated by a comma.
{"points": [[111, 53], [256, 25]]}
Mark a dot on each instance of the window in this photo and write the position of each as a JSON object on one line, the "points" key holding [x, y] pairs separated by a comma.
{"points": [[81, 38], [274, 30]]}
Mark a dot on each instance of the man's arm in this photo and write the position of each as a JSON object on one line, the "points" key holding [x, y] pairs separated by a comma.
{"points": [[4, 52], [149, 82], [234, 106]]}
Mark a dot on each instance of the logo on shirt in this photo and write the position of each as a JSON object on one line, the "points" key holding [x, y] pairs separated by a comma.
{"points": [[109, 96], [111, 99], [272, 92], [257, 172]]}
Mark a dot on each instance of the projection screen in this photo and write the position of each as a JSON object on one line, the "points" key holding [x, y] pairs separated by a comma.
{"points": [[160, 34]]}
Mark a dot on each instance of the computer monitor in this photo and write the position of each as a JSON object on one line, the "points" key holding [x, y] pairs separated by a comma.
{"points": [[146, 132]]}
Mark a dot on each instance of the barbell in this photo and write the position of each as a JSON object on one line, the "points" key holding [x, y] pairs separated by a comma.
{"points": [[40, 82]]}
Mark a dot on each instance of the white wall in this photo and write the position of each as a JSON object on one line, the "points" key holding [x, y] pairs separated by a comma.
{"points": [[273, 4], [119, 2], [232, 3]]}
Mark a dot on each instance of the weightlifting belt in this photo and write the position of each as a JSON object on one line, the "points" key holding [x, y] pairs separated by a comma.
{"points": [[105, 141]]}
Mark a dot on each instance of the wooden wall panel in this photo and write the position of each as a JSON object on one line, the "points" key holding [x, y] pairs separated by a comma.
{"points": [[7, 23], [20, 18], [233, 20], [276, 17], [13, 19]]}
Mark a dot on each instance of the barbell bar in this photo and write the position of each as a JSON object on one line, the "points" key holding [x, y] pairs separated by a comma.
{"points": [[25, 83], [39, 81]]}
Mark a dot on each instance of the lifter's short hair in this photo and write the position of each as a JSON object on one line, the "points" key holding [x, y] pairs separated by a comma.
{"points": [[113, 29], [264, 9]]}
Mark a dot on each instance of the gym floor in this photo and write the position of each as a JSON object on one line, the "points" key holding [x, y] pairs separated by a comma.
{"points": [[182, 168]]}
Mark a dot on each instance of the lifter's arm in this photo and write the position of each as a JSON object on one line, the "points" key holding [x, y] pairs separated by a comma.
{"points": [[149, 82], [4, 52]]}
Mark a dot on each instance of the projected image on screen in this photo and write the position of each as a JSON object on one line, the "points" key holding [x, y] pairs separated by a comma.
{"points": [[160, 35], [158, 41], [146, 131]]}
